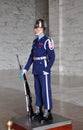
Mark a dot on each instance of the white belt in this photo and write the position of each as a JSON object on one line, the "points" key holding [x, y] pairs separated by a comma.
{"points": [[39, 58]]}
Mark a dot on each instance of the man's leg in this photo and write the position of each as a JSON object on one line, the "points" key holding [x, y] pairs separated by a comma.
{"points": [[47, 97], [38, 94]]}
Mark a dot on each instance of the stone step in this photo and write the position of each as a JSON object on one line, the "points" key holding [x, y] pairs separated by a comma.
{"points": [[58, 123]]}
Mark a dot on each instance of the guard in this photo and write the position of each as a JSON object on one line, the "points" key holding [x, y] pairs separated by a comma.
{"points": [[42, 57]]}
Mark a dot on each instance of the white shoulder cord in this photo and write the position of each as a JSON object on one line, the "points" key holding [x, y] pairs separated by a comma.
{"points": [[50, 44], [45, 43]]}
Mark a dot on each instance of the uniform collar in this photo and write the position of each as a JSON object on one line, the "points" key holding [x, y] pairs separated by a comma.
{"points": [[40, 36]]}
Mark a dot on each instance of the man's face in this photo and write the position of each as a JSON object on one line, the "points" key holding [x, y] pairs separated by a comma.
{"points": [[38, 31]]}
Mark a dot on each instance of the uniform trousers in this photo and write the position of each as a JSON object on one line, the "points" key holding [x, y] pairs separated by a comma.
{"points": [[43, 91]]}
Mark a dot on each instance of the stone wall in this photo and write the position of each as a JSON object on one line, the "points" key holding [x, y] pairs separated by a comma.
{"points": [[64, 19], [16, 31], [71, 37], [17, 19], [54, 30]]}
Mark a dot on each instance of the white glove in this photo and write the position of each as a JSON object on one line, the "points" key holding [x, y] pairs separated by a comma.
{"points": [[45, 73], [24, 71]]}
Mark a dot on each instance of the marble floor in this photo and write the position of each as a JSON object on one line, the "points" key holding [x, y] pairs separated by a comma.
{"points": [[67, 94]]}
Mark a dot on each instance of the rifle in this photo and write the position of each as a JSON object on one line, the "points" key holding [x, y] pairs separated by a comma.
{"points": [[27, 93]]}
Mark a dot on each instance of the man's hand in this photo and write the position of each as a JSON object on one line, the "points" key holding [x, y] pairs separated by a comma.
{"points": [[24, 71], [45, 73]]}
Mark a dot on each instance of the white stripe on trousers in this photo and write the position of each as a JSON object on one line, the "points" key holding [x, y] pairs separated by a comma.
{"points": [[47, 94], [46, 80]]}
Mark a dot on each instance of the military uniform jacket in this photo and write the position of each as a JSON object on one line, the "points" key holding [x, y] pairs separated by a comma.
{"points": [[42, 55]]}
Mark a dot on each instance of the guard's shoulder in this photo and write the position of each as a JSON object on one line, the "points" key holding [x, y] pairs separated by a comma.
{"points": [[50, 39], [49, 42]]}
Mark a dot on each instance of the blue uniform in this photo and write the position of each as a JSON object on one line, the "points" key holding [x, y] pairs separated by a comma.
{"points": [[42, 56]]}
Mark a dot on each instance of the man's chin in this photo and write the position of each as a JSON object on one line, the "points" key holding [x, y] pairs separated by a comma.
{"points": [[36, 34]]}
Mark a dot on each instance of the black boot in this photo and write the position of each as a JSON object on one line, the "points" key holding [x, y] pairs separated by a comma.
{"points": [[47, 116], [38, 113]]}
